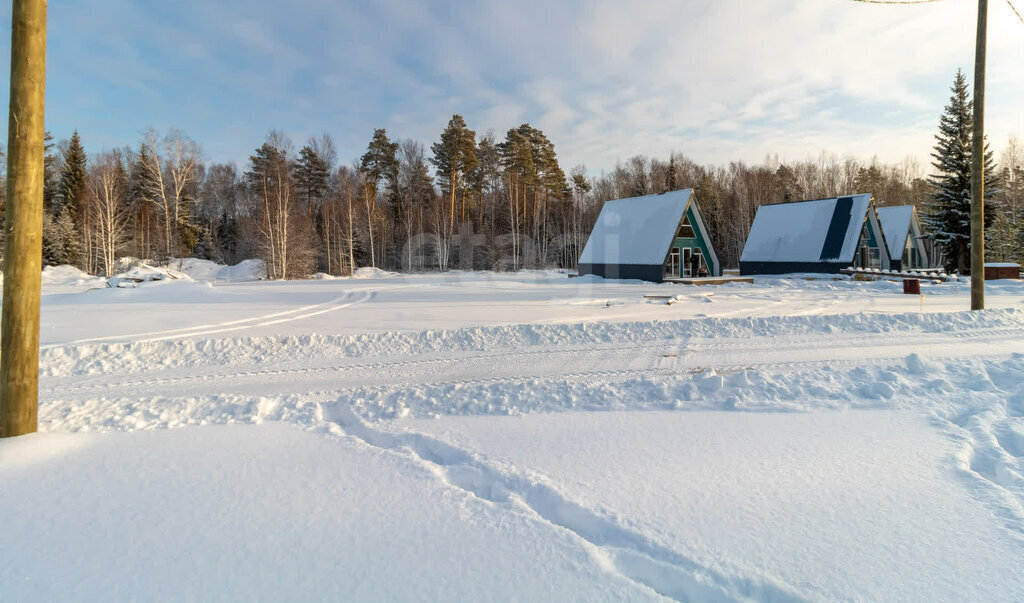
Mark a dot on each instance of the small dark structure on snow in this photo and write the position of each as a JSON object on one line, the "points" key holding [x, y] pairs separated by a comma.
{"points": [[820, 235]]}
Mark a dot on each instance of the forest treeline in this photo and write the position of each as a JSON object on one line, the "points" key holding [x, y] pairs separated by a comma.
{"points": [[467, 201]]}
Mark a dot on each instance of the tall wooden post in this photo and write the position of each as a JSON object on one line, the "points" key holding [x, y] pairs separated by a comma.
{"points": [[978, 167], [19, 334]]}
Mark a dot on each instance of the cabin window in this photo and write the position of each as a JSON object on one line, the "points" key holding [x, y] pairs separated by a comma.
{"points": [[874, 257], [685, 229], [911, 257], [868, 257], [865, 236]]}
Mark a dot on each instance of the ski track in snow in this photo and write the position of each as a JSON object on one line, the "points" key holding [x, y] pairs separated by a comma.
{"points": [[344, 301]]}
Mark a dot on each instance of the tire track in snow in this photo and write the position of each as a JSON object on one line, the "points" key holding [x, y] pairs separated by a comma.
{"points": [[355, 367], [618, 549], [69, 360], [685, 351]]}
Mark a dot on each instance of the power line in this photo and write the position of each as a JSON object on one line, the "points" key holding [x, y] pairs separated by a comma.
{"points": [[1014, 9], [898, 1], [1008, 2]]}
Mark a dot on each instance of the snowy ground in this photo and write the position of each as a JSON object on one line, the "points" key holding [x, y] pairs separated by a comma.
{"points": [[519, 437]]}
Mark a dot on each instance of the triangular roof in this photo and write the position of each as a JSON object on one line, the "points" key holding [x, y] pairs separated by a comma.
{"points": [[818, 230], [896, 221], [638, 230]]}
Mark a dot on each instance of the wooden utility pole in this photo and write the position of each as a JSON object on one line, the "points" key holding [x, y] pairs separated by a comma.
{"points": [[19, 346], [978, 167]]}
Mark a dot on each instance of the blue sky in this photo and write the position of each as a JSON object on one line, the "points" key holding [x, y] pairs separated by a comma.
{"points": [[715, 79]]}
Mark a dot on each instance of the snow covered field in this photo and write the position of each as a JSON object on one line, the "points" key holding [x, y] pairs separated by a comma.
{"points": [[473, 436]]}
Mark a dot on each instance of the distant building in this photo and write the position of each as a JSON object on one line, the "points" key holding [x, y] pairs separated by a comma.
{"points": [[903, 235], [820, 235], [652, 238]]}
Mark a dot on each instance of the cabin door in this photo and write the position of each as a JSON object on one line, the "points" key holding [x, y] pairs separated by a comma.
{"points": [[687, 252], [672, 266]]}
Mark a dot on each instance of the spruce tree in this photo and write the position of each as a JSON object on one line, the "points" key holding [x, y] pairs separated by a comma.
{"points": [[70, 202], [788, 184], [870, 180], [73, 183], [51, 207], [50, 181], [670, 174], [948, 214]]}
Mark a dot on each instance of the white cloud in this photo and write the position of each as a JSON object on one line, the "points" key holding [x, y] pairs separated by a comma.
{"points": [[605, 79]]}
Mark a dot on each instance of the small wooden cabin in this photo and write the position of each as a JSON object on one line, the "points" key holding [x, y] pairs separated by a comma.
{"points": [[652, 238], [904, 238]]}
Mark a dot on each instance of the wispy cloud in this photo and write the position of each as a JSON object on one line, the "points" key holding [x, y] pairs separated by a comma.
{"points": [[716, 79]]}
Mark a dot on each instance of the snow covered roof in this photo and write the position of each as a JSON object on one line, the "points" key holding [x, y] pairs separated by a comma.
{"points": [[638, 230], [821, 230], [895, 222]]}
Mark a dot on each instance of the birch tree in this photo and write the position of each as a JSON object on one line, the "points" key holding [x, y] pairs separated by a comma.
{"points": [[110, 214]]}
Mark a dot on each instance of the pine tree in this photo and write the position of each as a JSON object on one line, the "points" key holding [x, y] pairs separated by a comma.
{"points": [[521, 176], [455, 159], [948, 215], [380, 162], [311, 174]]}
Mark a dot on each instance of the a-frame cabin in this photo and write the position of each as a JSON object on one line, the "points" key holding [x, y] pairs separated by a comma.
{"points": [[819, 235], [903, 234], [652, 238]]}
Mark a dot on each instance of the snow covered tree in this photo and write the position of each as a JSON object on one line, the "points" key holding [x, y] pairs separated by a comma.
{"points": [[60, 243], [72, 200], [1006, 237], [948, 214]]}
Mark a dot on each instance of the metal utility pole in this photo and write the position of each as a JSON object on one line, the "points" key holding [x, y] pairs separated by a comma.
{"points": [[978, 167], [19, 334]]}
